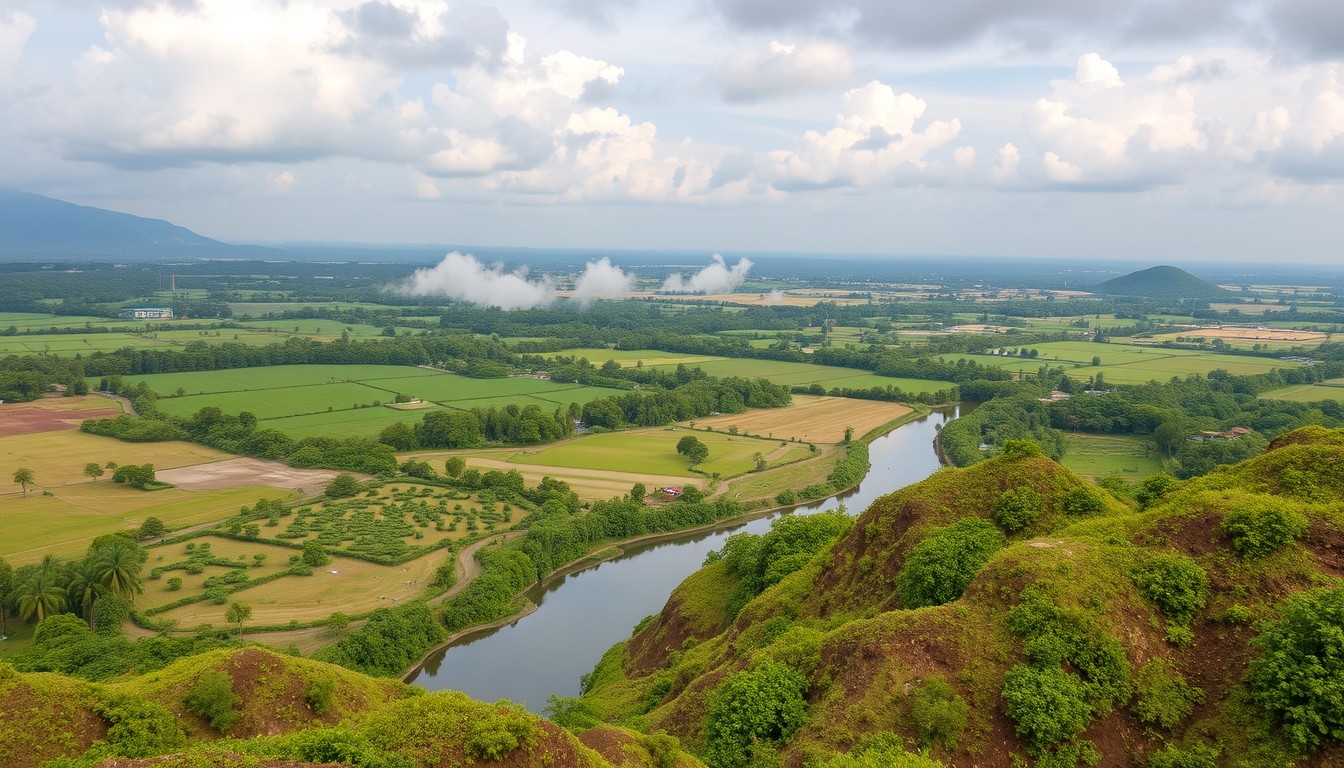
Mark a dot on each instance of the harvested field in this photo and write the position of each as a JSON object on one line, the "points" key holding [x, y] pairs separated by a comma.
{"points": [[23, 420], [58, 458], [236, 473], [589, 484], [810, 419]]}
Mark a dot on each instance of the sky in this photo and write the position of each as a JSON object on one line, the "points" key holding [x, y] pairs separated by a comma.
{"points": [[1185, 130]]}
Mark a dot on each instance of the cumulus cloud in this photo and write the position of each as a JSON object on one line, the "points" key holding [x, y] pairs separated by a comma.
{"points": [[718, 277], [873, 141], [602, 280], [782, 69], [463, 278], [422, 33]]}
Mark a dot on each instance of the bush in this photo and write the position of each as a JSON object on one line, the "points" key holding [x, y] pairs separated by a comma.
{"points": [[343, 486], [320, 693], [213, 698], [139, 728], [938, 713], [1082, 501], [1016, 509], [762, 704], [1197, 756], [1299, 677], [499, 733], [884, 750], [1175, 583], [1047, 704], [1260, 528], [938, 569], [1164, 698], [314, 555]]}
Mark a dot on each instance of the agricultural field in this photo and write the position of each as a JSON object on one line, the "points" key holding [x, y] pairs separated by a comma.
{"points": [[653, 451], [589, 484], [1332, 389], [1095, 456], [315, 400], [1128, 363], [809, 419], [260, 308], [57, 458], [1248, 338], [31, 321], [65, 522]]}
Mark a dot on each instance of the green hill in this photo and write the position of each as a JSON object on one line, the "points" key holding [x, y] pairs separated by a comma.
{"points": [[1012, 614], [1169, 283]]}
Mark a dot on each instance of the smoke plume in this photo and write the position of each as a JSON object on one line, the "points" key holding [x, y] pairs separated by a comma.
{"points": [[776, 297], [602, 280], [461, 277], [715, 278]]}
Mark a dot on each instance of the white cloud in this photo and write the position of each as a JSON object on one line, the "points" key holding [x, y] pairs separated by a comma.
{"points": [[463, 278], [603, 280], [873, 141], [782, 69], [282, 181], [1006, 161], [15, 29], [718, 277]]}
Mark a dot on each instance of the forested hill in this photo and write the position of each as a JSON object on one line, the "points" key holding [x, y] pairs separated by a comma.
{"points": [[36, 226], [1161, 283], [1013, 614]]}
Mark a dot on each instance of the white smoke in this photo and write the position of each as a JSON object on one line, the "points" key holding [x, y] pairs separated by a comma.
{"points": [[602, 280], [460, 276], [776, 297], [715, 278]]}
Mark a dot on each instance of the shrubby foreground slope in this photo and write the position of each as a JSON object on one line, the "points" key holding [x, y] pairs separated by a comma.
{"points": [[1201, 627]]}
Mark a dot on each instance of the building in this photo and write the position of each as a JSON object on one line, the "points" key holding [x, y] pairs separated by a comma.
{"points": [[147, 313]]}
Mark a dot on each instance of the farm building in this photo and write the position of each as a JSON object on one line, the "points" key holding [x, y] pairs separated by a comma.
{"points": [[147, 313]]}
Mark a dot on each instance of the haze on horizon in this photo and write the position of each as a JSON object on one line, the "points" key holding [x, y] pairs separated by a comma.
{"points": [[1181, 131]]}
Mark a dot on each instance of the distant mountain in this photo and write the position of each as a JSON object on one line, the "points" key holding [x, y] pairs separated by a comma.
{"points": [[33, 225], [1161, 283]]}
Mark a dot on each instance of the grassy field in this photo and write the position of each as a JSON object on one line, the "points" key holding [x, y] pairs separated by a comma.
{"points": [[314, 400], [64, 523], [653, 451], [1308, 393], [1101, 455], [1128, 363], [809, 419], [58, 458]]}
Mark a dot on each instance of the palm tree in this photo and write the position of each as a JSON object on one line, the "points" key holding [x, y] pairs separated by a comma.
{"points": [[118, 569], [84, 587], [40, 597]]}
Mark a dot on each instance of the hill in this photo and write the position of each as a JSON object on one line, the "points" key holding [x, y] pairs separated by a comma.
{"points": [[1012, 614], [33, 225], [1169, 283], [254, 707]]}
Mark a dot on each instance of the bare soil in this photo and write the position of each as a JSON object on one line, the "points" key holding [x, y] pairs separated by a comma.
{"points": [[236, 473]]}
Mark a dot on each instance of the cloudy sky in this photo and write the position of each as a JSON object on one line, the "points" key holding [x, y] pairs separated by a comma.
{"points": [[1152, 129]]}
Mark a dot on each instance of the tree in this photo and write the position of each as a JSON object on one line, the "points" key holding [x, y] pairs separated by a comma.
{"points": [[454, 465], [40, 596], [118, 566], [638, 492], [691, 447], [84, 587], [849, 435], [237, 614], [338, 621], [93, 470], [24, 477], [151, 528], [314, 555], [134, 475], [343, 486]]}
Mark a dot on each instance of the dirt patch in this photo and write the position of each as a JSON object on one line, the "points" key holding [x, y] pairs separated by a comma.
{"points": [[810, 419], [237, 473], [27, 418], [616, 746]]}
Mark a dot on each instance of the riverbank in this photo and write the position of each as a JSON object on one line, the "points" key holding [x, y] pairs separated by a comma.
{"points": [[611, 550]]}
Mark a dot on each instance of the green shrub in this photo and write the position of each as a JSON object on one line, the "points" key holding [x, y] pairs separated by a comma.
{"points": [[938, 713], [320, 693], [763, 704], [1197, 756], [1164, 698], [213, 698], [1082, 501], [786, 498], [140, 728], [1016, 509], [1046, 703], [1175, 583], [499, 733], [1299, 677], [883, 750], [343, 486], [1260, 528], [938, 569]]}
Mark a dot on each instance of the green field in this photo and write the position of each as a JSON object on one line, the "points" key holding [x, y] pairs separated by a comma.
{"points": [[323, 400], [1309, 393], [1128, 363], [1102, 455], [654, 452]]}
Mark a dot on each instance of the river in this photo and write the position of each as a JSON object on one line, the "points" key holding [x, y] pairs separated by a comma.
{"points": [[581, 614]]}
